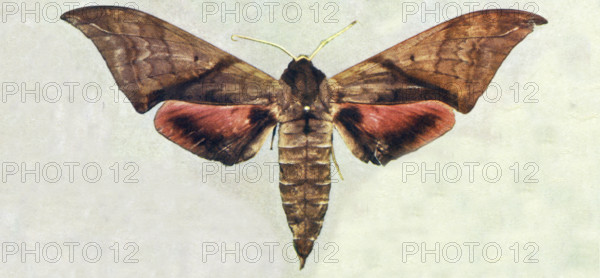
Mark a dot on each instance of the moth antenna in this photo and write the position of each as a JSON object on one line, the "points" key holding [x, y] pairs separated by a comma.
{"points": [[336, 164], [265, 42], [324, 42]]}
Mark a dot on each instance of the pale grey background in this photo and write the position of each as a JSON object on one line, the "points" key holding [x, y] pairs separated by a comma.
{"points": [[170, 212]]}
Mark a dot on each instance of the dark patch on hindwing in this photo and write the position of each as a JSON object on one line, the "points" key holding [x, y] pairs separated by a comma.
{"points": [[351, 119], [188, 127], [258, 116], [418, 125]]}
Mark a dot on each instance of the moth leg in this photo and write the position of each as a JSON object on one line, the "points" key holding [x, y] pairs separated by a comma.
{"points": [[337, 167], [273, 137]]}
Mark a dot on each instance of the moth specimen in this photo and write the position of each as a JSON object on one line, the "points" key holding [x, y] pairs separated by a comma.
{"points": [[221, 108]]}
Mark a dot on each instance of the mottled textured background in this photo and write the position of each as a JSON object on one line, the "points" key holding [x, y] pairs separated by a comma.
{"points": [[182, 211]]}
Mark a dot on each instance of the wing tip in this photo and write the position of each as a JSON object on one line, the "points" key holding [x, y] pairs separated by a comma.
{"points": [[75, 15], [69, 17], [140, 107], [538, 19], [530, 17], [525, 16]]}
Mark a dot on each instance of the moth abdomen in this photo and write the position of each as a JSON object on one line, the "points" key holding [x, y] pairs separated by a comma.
{"points": [[305, 179]]}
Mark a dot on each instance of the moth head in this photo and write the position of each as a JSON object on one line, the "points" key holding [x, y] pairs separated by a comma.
{"points": [[300, 64], [300, 57]]}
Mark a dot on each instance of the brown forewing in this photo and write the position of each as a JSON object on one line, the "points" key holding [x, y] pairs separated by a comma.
{"points": [[453, 62], [152, 61]]}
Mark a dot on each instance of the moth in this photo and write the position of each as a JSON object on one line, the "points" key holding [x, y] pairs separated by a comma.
{"points": [[221, 108]]}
